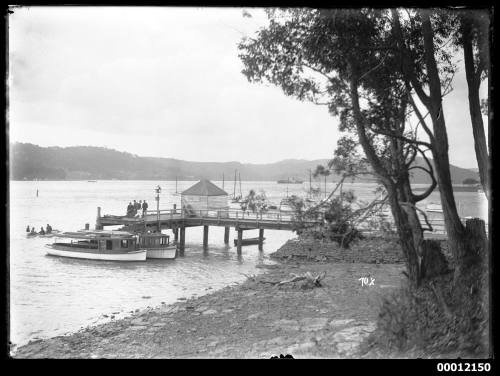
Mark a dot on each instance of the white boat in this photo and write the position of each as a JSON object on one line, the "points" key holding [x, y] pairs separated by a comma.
{"points": [[157, 246], [98, 245]]}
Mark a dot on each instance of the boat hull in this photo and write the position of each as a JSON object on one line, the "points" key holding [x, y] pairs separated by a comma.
{"points": [[62, 251], [162, 253]]}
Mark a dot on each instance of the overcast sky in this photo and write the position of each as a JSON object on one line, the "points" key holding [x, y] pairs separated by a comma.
{"points": [[167, 82]]}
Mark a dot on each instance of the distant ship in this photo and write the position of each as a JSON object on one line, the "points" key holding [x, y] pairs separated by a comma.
{"points": [[290, 181]]}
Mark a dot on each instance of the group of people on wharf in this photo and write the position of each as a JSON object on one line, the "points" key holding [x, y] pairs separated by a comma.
{"points": [[133, 208], [42, 231]]}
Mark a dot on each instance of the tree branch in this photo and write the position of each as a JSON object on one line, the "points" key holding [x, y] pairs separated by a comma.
{"points": [[403, 138], [433, 185], [421, 119], [374, 68], [429, 228], [407, 68], [412, 158], [363, 139]]}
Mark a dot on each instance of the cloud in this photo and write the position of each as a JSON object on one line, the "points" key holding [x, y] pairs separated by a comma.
{"points": [[164, 81]]}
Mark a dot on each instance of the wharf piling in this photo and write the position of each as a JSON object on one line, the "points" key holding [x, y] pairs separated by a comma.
{"points": [[240, 238], [182, 241], [205, 237]]}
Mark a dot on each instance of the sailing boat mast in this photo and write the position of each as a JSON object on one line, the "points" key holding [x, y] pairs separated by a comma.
{"points": [[310, 184], [241, 194], [223, 181], [234, 189], [176, 184]]}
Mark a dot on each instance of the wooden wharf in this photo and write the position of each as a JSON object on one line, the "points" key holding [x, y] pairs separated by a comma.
{"points": [[179, 219]]}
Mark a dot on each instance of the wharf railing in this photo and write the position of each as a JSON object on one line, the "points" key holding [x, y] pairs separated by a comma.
{"points": [[275, 216]]}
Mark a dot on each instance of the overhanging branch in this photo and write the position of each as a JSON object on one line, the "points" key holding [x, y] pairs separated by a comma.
{"points": [[421, 119], [403, 138], [433, 185]]}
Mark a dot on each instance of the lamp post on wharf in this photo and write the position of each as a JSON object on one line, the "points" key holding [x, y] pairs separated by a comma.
{"points": [[158, 190]]}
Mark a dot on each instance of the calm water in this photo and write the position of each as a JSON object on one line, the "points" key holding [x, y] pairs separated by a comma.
{"points": [[52, 296]]}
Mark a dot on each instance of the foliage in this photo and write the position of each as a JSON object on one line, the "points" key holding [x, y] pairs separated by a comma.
{"points": [[303, 210], [413, 318], [340, 218], [257, 203], [338, 214]]}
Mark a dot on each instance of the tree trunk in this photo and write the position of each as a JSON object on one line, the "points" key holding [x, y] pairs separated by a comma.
{"points": [[477, 239], [407, 238], [473, 83], [454, 228], [433, 261]]}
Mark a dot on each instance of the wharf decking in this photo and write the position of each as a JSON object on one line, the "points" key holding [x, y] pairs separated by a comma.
{"points": [[272, 220]]}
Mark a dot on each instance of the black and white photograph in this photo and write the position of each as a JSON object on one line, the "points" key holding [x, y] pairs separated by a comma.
{"points": [[202, 182]]}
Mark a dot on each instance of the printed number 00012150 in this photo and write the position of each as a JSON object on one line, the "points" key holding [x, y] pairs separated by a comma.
{"points": [[464, 367]]}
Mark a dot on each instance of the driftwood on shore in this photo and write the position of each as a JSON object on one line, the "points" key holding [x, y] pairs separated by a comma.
{"points": [[308, 277]]}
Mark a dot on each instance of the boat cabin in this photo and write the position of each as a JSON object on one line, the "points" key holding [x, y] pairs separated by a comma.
{"points": [[154, 240], [104, 242]]}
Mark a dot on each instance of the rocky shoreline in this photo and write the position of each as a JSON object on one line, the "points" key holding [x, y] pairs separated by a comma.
{"points": [[370, 250], [258, 318]]}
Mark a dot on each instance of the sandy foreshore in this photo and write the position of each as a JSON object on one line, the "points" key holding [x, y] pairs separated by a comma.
{"points": [[255, 319]]}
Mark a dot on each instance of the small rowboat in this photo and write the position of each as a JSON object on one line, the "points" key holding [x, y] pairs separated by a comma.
{"points": [[37, 235], [248, 241]]}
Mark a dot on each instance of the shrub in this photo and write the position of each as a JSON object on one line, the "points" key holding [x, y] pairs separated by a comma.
{"points": [[414, 317]]}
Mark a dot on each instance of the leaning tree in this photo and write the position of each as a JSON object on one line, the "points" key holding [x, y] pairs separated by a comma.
{"points": [[348, 61]]}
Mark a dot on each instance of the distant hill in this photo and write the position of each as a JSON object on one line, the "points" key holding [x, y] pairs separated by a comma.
{"points": [[29, 162], [458, 174]]}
